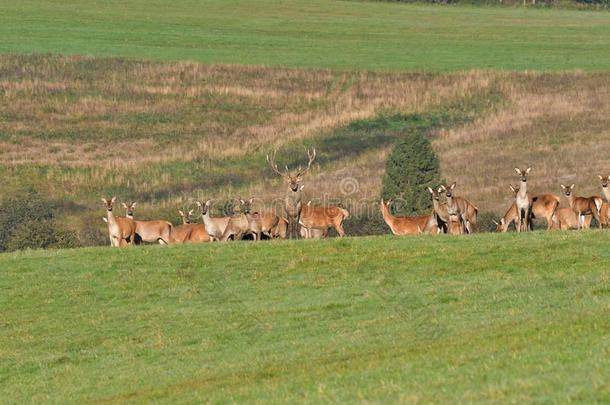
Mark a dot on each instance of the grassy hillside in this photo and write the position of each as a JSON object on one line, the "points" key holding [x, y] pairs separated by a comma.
{"points": [[164, 133], [381, 319], [313, 34]]}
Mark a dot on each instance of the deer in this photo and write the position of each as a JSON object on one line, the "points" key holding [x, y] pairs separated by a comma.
{"points": [[408, 225], [322, 218], [243, 223], [460, 210], [281, 229], [157, 231], [605, 210], [214, 226], [522, 201], [121, 230], [292, 200], [566, 218], [189, 232], [583, 206], [542, 206], [440, 210]]}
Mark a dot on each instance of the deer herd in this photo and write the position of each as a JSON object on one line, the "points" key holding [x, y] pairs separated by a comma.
{"points": [[450, 214]]}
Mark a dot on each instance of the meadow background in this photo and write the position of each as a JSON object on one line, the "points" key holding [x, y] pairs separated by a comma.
{"points": [[166, 102]]}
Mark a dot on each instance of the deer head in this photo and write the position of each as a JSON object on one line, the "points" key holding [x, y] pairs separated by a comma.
{"points": [[186, 218], [500, 225], [436, 194], [130, 207], [246, 205], [567, 191], [448, 190], [605, 180], [292, 178], [109, 203], [523, 173], [205, 206]]}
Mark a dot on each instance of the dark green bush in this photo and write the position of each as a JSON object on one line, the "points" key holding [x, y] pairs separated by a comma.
{"points": [[366, 224], [411, 168], [32, 234]]}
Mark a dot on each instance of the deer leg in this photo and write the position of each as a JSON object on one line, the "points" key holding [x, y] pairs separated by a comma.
{"points": [[339, 229]]}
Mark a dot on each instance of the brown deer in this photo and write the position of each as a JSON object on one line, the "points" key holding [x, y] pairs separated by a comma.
{"points": [[542, 206], [566, 218], [243, 223], [189, 232], [215, 226], [605, 209], [440, 210], [322, 218], [292, 199], [158, 231], [121, 230], [522, 201], [583, 206], [460, 210], [408, 225], [281, 229]]}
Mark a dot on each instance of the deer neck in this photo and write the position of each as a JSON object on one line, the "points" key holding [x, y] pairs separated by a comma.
{"points": [[439, 209], [606, 192], [111, 218], [571, 200], [522, 194], [387, 216], [452, 207]]}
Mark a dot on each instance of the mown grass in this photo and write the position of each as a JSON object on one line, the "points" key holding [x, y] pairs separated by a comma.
{"points": [[315, 34], [487, 318]]}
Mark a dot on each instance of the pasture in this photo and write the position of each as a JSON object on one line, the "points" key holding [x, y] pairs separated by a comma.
{"points": [[347, 35], [483, 318]]}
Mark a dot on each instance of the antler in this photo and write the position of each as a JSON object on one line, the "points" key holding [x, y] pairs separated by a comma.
{"points": [[273, 165], [311, 155]]}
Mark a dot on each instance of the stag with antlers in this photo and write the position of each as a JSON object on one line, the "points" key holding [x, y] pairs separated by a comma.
{"points": [[292, 199]]}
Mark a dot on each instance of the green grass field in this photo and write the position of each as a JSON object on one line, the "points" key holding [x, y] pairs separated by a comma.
{"points": [[319, 33], [488, 318]]}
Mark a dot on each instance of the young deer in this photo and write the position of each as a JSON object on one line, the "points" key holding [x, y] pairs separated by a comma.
{"points": [[215, 226], [541, 206], [121, 231], [150, 231], [583, 206], [566, 218], [243, 223], [605, 209], [522, 201], [459, 209], [440, 210], [292, 199], [405, 225], [322, 218]]}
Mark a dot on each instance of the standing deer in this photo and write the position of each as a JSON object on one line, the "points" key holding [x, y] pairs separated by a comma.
{"points": [[292, 199], [460, 210], [541, 206], [322, 218], [408, 225], [215, 226], [522, 201], [605, 210], [121, 231], [243, 223], [583, 206], [150, 231], [440, 210]]}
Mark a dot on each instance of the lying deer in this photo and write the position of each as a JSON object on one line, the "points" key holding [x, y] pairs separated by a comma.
{"points": [[408, 225], [158, 231], [214, 225], [292, 200], [121, 231], [583, 206], [189, 232], [566, 218], [243, 224], [322, 218], [460, 210]]}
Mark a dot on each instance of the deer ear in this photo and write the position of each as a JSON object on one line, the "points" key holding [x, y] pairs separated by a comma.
{"points": [[251, 200], [430, 190], [242, 201], [208, 202], [181, 213], [309, 203], [517, 170], [441, 188], [572, 187], [511, 187], [600, 176], [198, 204], [125, 206], [453, 185], [113, 200], [529, 169], [104, 219], [133, 205], [104, 201], [191, 212], [302, 187], [563, 187], [495, 222]]}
